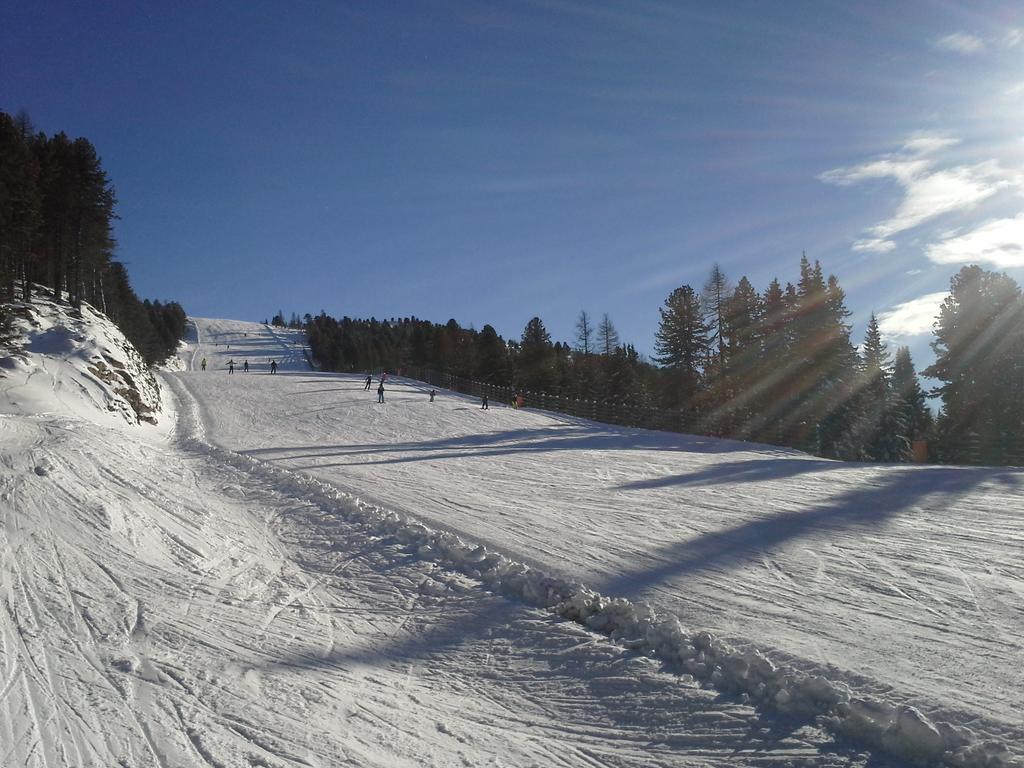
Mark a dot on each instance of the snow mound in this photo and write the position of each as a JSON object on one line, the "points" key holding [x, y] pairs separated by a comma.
{"points": [[75, 362]]}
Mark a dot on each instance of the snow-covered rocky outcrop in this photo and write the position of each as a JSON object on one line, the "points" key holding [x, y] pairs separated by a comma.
{"points": [[75, 361]]}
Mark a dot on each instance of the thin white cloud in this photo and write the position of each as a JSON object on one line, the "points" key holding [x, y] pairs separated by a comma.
{"points": [[934, 194], [903, 166], [999, 242], [967, 44], [1015, 90], [901, 169], [961, 42], [926, 144], [911, 318], [874, 244], [927, 193]]}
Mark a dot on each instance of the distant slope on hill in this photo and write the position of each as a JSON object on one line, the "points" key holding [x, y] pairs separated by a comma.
{"points": [[221, 341]]}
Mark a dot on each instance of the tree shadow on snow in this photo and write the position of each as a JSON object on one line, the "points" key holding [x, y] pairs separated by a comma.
{"points": [[747, 471], [862, 508], [505, 443]]}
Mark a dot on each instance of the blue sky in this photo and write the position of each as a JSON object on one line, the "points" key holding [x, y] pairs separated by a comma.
{"points": [[492, 161]]}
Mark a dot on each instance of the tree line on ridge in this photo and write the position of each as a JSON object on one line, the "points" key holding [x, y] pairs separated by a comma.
{"points": [[57, 208], [776, 366]]}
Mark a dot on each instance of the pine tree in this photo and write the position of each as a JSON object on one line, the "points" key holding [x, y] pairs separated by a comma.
{"points": [[445, 341], [20, 216], [839, 409], [584, 333], [802, 399], [979, 347], [535, 335], [910, 397], [714, 298], [535, 361], [620, 381], [882, 428], [682, 346], [92, 214], [54, 158], [682, 337], [813, 404], [491, 357], [607, 336], [464, 357], [771, 371], [742, 325]]}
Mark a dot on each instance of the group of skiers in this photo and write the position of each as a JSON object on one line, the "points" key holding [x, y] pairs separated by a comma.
{"points": [[245, 365], [380, 387], [517, 400]]}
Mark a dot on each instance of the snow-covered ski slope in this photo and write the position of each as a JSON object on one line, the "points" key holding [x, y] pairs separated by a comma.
{"points": [[905, 583], [168, 602], [223, 341]]}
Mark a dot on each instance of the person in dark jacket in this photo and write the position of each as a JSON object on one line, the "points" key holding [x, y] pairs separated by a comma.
{"points": [[483, 404], [380, 392], [369, 378]]}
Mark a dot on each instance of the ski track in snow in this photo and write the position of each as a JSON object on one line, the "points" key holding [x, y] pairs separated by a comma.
{"points": [[167, 603]]}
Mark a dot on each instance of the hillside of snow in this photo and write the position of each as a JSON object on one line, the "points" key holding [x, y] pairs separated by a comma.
{"points": [[283, 572], [902, 583]]}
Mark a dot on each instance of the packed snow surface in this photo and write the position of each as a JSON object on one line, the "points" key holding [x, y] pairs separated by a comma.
{"points": [[298, 575]]}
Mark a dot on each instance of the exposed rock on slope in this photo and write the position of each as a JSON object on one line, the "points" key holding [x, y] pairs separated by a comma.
{"points": [[92, 368]]}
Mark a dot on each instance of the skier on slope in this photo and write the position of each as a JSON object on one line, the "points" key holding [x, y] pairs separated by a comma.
{"points": [[203, 364], [380, 392], [273, 366], [369, 379], [245, 366], [231, 366], [483, 404], [432, 394]]}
